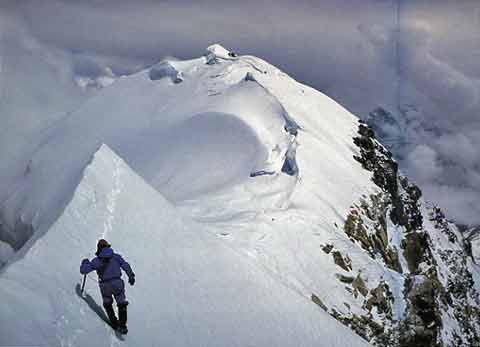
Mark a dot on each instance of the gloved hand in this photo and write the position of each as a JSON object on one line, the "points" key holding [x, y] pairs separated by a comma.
{"points": [[131, 281], [85, 261]]}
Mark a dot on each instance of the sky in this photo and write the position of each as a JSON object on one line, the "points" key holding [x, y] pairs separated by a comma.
{"points": [[417, 59]]}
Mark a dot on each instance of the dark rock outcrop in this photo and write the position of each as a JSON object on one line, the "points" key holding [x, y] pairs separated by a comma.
{"points": [[441, 306]]}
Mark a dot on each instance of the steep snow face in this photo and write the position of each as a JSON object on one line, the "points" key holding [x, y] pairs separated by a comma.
{"points": [[192, 288], [27, 71], [225, 121]]}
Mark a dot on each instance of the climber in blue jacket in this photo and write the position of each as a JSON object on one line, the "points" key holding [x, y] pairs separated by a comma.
{"points": [[108, 266]]}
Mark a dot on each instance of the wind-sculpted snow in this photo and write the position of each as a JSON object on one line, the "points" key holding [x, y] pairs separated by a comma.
{"points": [[192, 289], [212, 130], [202, 154], [165, 69]]}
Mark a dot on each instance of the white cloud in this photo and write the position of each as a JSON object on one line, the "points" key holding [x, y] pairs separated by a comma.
{"points": [[445, 89], [423, 161]]}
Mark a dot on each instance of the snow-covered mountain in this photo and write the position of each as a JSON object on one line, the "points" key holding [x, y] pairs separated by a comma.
{"points": [[192, 289], [254, 209]]}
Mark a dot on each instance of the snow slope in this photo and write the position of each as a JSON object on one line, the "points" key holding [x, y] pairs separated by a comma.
{"points": [[254, 187], [192, 289], [236, 124]]}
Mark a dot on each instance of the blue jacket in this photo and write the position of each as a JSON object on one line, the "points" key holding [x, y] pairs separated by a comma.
{"points": [[108, 265]]}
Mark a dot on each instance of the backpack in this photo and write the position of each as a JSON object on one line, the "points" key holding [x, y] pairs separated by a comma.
{"points": [[103, 267]]}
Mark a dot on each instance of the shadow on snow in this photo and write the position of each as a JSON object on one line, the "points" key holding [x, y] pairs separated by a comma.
{"points": [[96, 308]]}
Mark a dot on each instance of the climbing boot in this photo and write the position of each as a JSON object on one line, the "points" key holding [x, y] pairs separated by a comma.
{"points": [[111, 316], [122, 317]]}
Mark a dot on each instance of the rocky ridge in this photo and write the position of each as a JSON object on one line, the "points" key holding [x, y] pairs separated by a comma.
{"points": [[439, 305]]}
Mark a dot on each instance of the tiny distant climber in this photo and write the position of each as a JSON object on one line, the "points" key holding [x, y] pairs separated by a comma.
{"points": [[108, 265]]}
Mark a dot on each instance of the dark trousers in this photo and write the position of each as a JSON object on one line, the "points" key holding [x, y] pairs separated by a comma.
{"points": [[113, 289]]}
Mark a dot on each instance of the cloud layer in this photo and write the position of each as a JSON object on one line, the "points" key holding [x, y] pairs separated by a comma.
{"points": [[439, 74]]}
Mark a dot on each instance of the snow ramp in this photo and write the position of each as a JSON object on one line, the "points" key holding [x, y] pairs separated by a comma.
{"points": [[192, 289]]}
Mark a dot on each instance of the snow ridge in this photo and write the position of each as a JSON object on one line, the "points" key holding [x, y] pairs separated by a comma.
{"points": [[188, 281], [112, 196]]}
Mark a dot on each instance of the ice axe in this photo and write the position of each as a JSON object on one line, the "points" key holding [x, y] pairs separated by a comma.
{"points": [[83, 283], [84, 278]]}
